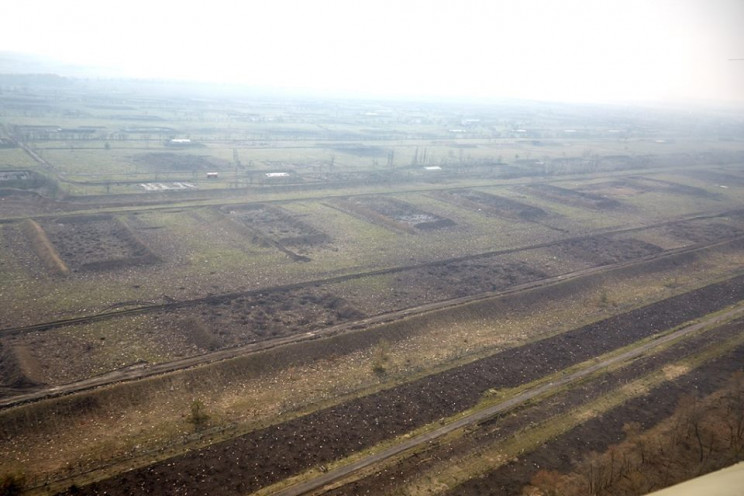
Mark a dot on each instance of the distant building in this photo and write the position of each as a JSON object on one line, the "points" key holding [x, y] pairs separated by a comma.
{"points": [[213, 175]]}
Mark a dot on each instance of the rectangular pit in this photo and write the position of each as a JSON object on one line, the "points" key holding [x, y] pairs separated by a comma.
{"points": [[491, 204], [96, 242], [571, 197], [393, 213], [276, 225]]}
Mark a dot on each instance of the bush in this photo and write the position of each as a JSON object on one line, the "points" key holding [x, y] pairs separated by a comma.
{"points": [[198, 416], [11, 484], [380, 357]]}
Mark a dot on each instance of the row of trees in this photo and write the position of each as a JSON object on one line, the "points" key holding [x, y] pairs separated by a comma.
{"points": [[702, 435]]}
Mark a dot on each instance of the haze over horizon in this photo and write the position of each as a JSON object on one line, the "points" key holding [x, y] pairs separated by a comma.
{"points": [[573, 50]]}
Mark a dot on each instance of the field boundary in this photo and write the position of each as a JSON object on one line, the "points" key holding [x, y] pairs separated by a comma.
{"points": [[390, 326], [44, 248], [394, 270]]}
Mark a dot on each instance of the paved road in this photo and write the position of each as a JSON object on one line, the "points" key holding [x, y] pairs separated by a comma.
{"points": [[479, 416]]}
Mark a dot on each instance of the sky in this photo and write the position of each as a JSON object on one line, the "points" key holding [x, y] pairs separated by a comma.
{"points": [[561, 50]]}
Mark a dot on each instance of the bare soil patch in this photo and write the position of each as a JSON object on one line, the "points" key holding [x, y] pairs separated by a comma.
{"points": [[717, 177], [179, 162], [176, 331], [701, 231], [99, 242], [226, 322], [393, 213], [662, 186], [460, 278], [604, 250], [616, 188], [487, 203], [632, 186], [361, 150], [269, 225], [276, 224], [232, 467], [571, 197]]}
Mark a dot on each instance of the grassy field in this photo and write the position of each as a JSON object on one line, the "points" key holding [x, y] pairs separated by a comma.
{"points": [[224, 258], [388, 208], [243, 396]]}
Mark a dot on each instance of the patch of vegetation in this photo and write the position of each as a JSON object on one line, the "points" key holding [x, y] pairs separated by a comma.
{"points": [[198, 417], [178, 162], [381, 357], [12, 484], [703, 435]]}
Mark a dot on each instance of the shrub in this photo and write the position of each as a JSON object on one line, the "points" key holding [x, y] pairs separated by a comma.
{"points": [[380, 357], [198, 416], [11, 484]]}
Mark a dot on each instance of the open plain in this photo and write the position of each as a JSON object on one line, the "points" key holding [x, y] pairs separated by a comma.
{"points": [[239, 295]]}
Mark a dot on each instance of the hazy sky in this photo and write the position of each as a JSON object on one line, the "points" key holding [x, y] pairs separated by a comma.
{"points": [[586, 50]]}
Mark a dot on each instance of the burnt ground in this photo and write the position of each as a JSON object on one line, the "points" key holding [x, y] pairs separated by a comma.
{"points": [[96, 243], [232, 467], [560, 453]]}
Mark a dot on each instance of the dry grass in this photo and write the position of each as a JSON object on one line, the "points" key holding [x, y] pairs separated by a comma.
{"points": [[445, 476], [139, 420]]}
